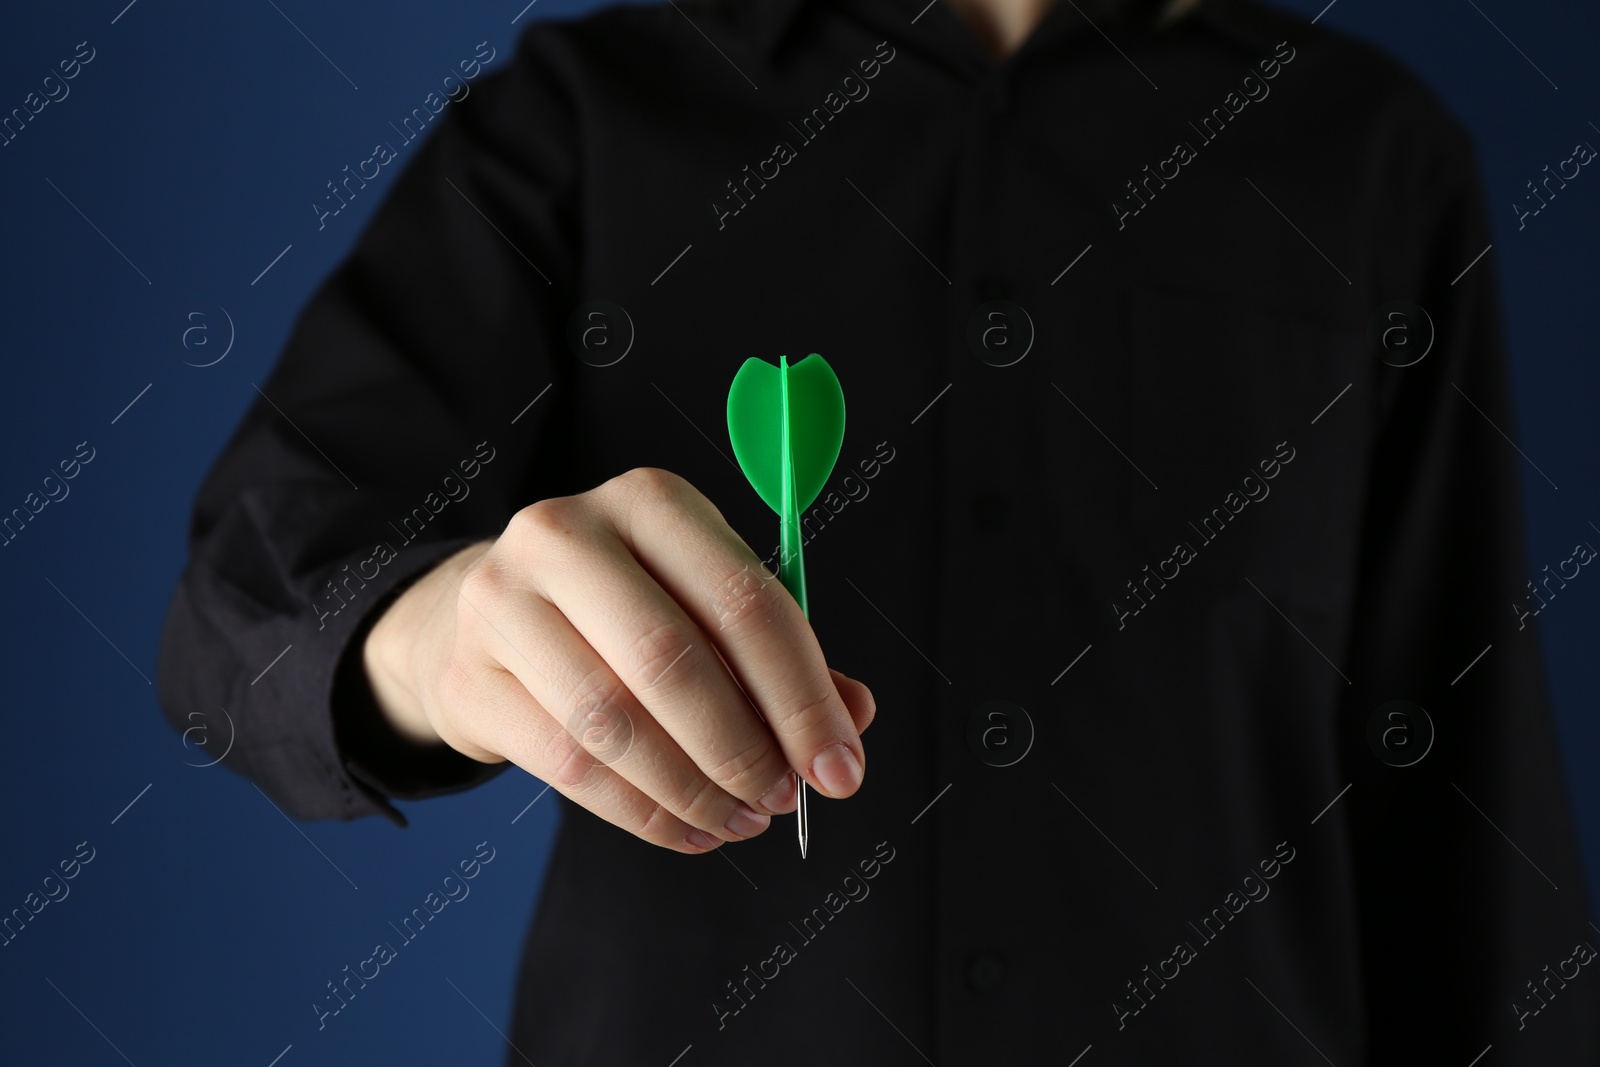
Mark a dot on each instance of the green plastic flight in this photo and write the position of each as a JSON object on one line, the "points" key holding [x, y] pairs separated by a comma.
{"points": [[787, 425]]}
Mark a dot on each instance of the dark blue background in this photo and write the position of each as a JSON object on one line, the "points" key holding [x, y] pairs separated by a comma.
{"points": [[196, 140]]}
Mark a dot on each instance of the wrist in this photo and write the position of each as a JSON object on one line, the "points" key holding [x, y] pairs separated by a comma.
{"points": [[394, 653]]}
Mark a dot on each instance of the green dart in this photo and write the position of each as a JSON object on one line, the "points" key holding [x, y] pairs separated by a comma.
{"points": [[787, 425]]}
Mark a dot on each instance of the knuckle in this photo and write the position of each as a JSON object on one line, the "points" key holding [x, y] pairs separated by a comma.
{"points": [[661, 827], [599, 717], [480, 585], [647, 488], [660, 651], [652, 483], [747, 602], [816, 717], [747, 772], [521, 523], [569, 765], [698, 802], [544, 535], [543, 517], [552, 519]]}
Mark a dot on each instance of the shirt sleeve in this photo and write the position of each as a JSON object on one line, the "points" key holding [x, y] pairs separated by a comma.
{"points": [[1466, 863], [382, 442]]}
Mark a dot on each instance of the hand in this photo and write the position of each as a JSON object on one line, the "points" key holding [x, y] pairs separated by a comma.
{"points": [[601, 643]]}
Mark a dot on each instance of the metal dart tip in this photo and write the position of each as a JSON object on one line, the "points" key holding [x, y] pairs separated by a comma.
{"points": [[802, 827]]}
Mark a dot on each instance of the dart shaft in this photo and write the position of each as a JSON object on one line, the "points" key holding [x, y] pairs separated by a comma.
{"points": [[792, 569], [792, 572]]}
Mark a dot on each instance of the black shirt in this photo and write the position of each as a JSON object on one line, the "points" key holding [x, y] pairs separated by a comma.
{"points": [[1129, 448]]}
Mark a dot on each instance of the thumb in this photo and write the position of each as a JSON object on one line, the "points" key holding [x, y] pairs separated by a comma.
{"points": [[857, 698]]}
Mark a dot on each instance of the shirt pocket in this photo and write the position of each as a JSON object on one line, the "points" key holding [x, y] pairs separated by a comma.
{"points": [[1237, 485]]}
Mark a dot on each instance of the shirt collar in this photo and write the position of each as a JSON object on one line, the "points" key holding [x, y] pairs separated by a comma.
{"points": [[1239, 20]]}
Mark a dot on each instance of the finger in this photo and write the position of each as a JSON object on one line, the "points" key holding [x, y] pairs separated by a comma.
{"points": [[577, 562], [561, 671], [701, 563], [857, 697], [515, 725]]}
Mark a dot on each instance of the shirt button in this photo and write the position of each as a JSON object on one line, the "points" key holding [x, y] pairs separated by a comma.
{"points": [[990, 511], [985, 971]]}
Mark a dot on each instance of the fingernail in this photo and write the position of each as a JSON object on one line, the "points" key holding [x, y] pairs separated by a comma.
{"points": [[837, 768], [701, 839], [780, 799], [746, 822]]}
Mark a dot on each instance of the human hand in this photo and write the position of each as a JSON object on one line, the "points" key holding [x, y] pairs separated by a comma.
{"points": [[601, 642]]}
